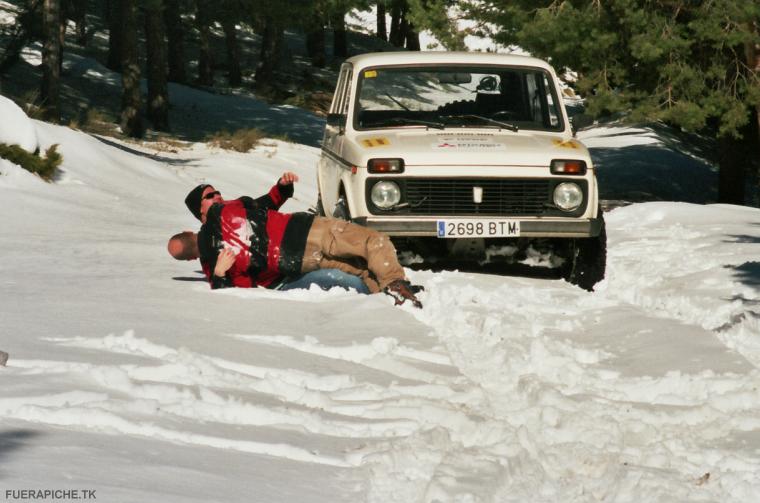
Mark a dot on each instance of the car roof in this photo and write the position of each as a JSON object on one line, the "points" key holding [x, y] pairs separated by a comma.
{"points": [[443, 57]]}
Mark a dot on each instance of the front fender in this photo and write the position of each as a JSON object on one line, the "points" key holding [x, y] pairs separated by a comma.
{"points": [[328, 184]]}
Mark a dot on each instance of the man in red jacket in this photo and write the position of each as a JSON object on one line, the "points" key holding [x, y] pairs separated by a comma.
{"points": [[247, 243]]}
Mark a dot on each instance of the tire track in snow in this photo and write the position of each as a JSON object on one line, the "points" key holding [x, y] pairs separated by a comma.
{"points": [[673, 261], [559, 418], [177, 385]]}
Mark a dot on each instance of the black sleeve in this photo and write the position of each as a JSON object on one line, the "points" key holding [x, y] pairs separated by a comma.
{"points": [[223, 282], [210, 234], [272, 200]]}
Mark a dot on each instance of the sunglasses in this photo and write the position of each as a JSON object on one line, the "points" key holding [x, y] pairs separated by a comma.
{"points": [[212, 195]]}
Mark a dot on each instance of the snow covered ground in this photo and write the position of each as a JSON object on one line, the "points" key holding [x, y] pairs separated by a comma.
{"points": [[129, 377]]}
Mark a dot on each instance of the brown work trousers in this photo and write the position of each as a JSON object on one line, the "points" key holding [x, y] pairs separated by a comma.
{"points": [[364, 252]]}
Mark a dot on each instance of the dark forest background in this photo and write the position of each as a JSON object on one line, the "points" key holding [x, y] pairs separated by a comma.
{"points": [[690, 64]]}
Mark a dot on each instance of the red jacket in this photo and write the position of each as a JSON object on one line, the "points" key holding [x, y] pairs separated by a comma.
{"points": [[269, 244]]}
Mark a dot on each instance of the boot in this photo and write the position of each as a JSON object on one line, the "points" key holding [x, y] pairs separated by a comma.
{"points": [[401, 290]]}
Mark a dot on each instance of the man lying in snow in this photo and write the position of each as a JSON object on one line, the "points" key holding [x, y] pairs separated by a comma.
{"points": [[247, 243]]}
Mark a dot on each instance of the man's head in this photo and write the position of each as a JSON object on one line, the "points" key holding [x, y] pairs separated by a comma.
{"points": [[200, 199], [184, 246]]}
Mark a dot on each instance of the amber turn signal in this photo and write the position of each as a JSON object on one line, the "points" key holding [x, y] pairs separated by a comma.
{"points": [[568, 167]]}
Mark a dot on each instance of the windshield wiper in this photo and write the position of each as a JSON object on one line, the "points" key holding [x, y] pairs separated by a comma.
{"points": [[409, 122], [488, 120]]}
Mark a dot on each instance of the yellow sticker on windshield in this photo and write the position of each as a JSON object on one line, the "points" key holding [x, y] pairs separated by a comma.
{"points": [[376, 142], [566, 144], [370, 74]]}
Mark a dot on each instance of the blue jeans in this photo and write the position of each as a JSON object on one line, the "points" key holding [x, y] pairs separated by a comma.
{"points": [[325, 279]]}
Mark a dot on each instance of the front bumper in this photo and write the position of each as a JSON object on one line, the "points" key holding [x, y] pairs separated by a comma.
{"points": [[531, 227]]}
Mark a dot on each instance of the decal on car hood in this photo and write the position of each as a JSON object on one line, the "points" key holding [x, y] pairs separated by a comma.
{"points": [[460, 142]]}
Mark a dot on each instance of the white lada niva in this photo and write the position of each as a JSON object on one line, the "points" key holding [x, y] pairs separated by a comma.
{"points": [[454, 154]]}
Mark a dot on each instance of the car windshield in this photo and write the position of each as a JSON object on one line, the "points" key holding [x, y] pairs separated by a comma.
{"points": [[461, 96]]}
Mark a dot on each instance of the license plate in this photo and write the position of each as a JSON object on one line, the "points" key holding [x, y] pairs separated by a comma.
{"points": [[478, 228]]}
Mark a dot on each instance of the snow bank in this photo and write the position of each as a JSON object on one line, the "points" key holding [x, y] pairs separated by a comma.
{"points": [[16, 128], [128, 375]]}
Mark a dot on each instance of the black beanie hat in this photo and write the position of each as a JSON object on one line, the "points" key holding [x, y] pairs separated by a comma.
{"points": [[193, 200]]}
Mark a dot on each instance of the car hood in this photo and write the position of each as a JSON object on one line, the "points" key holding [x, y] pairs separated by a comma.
{"points": [[430, 148]]}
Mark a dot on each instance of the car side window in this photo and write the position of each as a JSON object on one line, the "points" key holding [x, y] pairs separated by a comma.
{"points": [[347, 92], [543, 109], [553, 109], [340, 101]]}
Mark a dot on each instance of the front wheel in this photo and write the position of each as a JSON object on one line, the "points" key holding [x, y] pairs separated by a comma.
{"points": [[319, 210], [341, 209], [587, 261]]}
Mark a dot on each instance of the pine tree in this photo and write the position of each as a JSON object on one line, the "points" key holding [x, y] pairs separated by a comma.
{"points": [[337, 10], [315, 34], [684, 63], [338, 23], [155, 47], [382, 32], [77, 12], [131, 101], [202, 23], [397, 34], [434, 15], [175, 34], [234, 72], [51, 61], [28, 27], [271, 47], [115, 36]]}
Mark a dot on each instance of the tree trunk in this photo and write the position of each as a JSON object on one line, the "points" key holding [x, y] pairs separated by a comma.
{"points": [[234, 74], [175, 34], [51, 64], [397, 36], [113, 14], [202, 21], [79, 16], [340, 41], [131, 103], [382, 32], [412, 38], [315, 35], [731, 176], [271, 46], [155, 46], [61, 39], [753, 64]]}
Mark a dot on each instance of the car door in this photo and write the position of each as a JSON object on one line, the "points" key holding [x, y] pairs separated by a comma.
{"points": [[331, 163]]}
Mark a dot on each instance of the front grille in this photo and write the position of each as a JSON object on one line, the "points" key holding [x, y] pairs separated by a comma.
{"points": [[431, 196]]}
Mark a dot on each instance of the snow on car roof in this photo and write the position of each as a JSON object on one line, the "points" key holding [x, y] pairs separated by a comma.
{"points": [[438, 57]]}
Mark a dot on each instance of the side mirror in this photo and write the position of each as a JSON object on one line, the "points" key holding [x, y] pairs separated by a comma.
{"points": [[336, 120], [580, 121]]}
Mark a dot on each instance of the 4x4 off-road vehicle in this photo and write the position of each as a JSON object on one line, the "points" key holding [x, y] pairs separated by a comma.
{"points": [[461, 152]]}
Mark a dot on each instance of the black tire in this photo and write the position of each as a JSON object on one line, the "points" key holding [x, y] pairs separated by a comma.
{"points": [[587, 260], [320, 209], [341, 209]]}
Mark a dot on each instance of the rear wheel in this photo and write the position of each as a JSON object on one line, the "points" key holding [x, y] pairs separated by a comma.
{"points": [[587, 260]]}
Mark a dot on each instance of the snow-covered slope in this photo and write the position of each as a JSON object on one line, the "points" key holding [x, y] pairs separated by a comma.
{"points": [[128, 376]]}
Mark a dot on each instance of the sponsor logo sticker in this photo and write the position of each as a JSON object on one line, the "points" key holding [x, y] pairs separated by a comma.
{"points": [[376, 142], [566, 144], [461, 142]]}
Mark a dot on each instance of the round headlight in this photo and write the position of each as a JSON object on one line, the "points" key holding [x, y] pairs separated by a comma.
{"points": [[385, 194], [568, 196]]}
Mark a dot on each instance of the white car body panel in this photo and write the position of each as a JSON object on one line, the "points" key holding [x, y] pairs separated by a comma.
{"points": [[472, 152]]}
